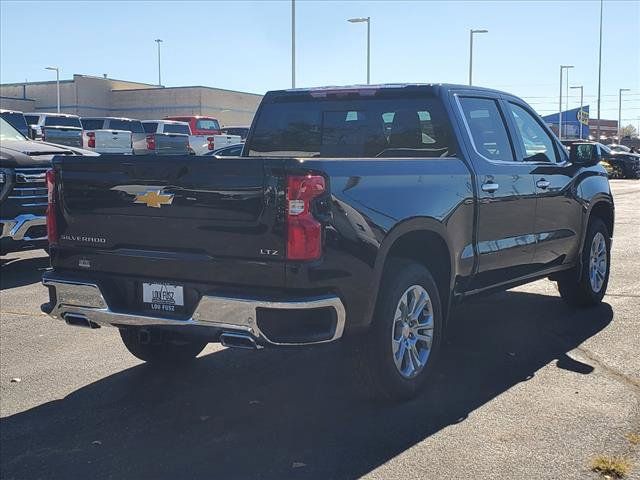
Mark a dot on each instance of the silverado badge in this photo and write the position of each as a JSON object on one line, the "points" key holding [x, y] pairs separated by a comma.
{"points": [[154, 198]]}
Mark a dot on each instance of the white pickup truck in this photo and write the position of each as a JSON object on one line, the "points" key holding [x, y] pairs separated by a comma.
{"points": [[205, 135], [99, 137]]}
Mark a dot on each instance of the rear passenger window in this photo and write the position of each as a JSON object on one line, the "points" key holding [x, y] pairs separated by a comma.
{"points": [[537, 143], [358, 126], [487, 127]]}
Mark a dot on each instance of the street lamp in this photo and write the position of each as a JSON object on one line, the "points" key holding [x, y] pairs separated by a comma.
{"points": [[581, 103], [471, 32], [368, 22], [57, 70], [159, 41], [562, 68], [620, 112]]}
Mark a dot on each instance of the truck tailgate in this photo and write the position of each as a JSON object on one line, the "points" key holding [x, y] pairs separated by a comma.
{"points": [[174, 217], [113, 141], [171, 143], [70, 136]]}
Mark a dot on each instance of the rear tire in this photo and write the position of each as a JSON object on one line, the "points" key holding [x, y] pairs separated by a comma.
{"points": [[399, 352], [154, 347], [589, 288]]}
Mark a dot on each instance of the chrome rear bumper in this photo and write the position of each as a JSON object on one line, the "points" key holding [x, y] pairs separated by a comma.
{"points": [[17, 228], [75, 299]]}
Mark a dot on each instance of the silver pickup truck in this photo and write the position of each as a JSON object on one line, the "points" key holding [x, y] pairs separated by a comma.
{"points": [[167, 137], [58, 128]]}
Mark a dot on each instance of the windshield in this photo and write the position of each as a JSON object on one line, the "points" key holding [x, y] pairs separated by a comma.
{"points": [[207, 124], [7, 132], [62, 122], [352, 127], [16, 120], [620, 148], [177, 128], [134, 126], [605, 149]]}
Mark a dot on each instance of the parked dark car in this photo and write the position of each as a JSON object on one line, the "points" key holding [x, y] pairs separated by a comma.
{"points": [[16, 120], [23, 191], [360, 214], [242, 131], [230, 151]]}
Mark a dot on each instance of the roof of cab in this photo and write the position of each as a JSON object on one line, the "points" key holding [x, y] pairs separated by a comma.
{"points": [[438, 87]]}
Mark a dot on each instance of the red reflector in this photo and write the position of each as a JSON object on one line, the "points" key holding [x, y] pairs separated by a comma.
{"points": [[91, 143], [210, 146], [304, 232], [151, 142], [52, 222]]}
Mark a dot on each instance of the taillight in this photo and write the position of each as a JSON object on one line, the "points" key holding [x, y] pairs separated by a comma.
{"points": [[210, 146], [52, 222], [91, 142], [304, 232], [151, 142]]}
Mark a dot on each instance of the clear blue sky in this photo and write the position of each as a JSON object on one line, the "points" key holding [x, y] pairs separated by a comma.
{"points": [[245, 45]]}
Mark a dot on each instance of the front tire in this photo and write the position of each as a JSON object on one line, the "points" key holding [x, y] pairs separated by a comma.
{"points": [[588, 289], [400, 350], [156, 348]]}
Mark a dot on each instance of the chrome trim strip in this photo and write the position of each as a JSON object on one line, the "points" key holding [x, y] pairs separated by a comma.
{"points": [[230, 314], [17, 228]]}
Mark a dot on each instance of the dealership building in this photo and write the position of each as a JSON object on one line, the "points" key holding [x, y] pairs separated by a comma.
{"points": [[86, 95], [576, 124]]}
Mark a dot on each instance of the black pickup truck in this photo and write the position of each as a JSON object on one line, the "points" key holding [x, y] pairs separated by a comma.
{"points": [[357, 212]]}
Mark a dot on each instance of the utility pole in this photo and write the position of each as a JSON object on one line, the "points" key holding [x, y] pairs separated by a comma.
{"points": [[159, 41], [599, 73], [562, 67], [293, 43]]}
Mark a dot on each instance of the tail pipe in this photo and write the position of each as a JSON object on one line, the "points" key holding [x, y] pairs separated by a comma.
{"points": [[76, 320], [238, 340]]}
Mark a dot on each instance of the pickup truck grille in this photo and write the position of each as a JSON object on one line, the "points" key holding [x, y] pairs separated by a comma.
{"points": [[30, 189]]}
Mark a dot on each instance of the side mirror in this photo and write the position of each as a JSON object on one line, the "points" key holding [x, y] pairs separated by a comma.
{"points": [[584, 154]]}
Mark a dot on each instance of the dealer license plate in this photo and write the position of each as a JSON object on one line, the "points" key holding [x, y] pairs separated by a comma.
{"points": [[163, 297]]}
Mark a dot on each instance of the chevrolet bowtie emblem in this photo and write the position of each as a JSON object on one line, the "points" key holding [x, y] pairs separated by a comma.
{"points": [[154, 198]]}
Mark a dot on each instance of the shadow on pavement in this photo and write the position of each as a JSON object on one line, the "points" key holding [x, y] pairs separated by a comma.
{"points": [[17, 272], [296, 414]]}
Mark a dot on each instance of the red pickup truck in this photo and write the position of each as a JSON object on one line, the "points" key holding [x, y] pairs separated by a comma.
{"points": [[200, 125]]}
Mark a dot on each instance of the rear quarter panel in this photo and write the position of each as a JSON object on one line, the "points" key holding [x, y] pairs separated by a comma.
{"points": [[373, 203]]}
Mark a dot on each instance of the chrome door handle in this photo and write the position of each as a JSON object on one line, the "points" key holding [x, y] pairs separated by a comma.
{"points": [[490, 187], [543, 184]]}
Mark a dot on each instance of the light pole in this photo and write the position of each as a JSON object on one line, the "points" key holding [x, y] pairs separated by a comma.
{"points": [[562, 67], [159, 41], [581, 104], [471, 32], [293, 43], [620, 112], [599, 72], [57, 69], [368, 22]]}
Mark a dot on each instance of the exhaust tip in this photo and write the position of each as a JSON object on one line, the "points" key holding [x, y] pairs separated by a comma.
{"points": [[76, 320], [238, 340]]}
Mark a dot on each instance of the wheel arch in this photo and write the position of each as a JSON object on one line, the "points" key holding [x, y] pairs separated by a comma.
{"points": [[424, 240]]}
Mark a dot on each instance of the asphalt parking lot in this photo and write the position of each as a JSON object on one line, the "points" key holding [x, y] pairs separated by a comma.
{"points": [[528, 388]]}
